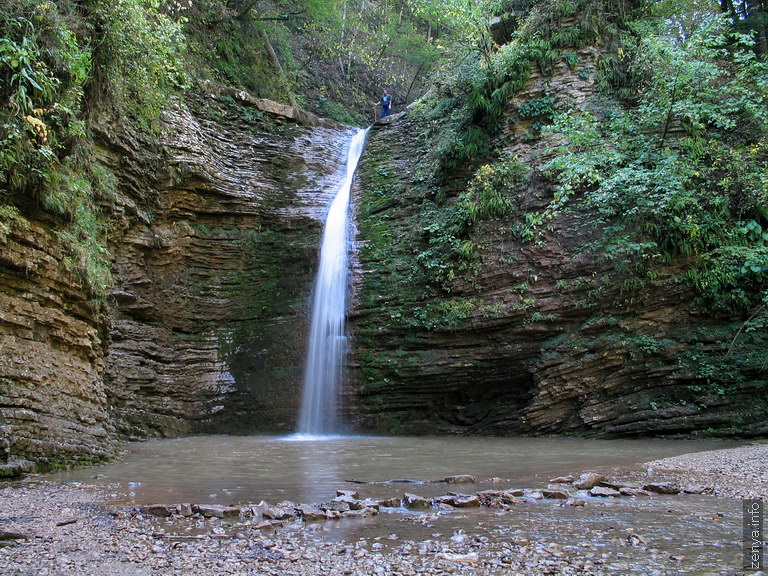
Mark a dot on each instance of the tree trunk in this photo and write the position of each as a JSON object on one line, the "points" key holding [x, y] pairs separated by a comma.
{"points": [[413, 81], [343, 34], [278, 67], [759, 23]]}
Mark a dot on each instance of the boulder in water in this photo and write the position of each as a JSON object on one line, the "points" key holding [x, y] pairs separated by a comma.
{"points": [[588, 481], [553, 494], [604, 491], [414, 502], [159, 510], [310, 513], [460, 479], [217, 511], [663, 488], [459, 500]]}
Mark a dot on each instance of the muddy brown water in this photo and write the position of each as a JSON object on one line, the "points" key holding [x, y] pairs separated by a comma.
{"points": [[685, 534]]}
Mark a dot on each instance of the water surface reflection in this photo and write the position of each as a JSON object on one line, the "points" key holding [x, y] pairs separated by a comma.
{"points": [[231, 469]]}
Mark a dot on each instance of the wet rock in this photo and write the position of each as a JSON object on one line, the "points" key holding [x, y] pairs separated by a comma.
{"points": [[361, 513], [617, 485], [277, 513], [630, 491], [603, 491], [698, 489], [499, 498], [335, 505], [390, 503], [555, 494], [414, 502], [184, 509], [459, 500], [258, 509], [562, 480], [159, 510], [353, 503], [588, 481], [310, 513], [349, 493], [460, 479], [370, 503], [16, 468], [356, 504], [663, 488], [574, 502]]}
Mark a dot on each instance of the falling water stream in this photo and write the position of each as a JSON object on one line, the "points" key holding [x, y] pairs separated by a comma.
{"points": [[327, 341]]}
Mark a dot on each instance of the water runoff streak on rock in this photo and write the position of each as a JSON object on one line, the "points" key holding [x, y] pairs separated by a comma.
{"points": [[327, 341]]}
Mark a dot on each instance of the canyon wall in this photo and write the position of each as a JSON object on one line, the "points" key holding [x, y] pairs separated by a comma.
{"points": [[214, 236], [209, 327], [53, 404], [533, 334]]}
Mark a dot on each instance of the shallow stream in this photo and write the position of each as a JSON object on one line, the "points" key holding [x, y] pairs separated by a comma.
{"points": [[697, 534]]}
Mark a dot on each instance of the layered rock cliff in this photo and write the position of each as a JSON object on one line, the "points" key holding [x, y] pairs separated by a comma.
{"points": [[53, 404], [536, 332], [214, 239], [214, 236], [209, 325]]}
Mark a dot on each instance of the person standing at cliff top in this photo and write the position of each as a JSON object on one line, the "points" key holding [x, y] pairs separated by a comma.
{"points": [[386, 103]]}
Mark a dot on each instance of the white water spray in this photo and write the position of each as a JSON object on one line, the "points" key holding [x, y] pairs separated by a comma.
{"points": [[327, 340]]}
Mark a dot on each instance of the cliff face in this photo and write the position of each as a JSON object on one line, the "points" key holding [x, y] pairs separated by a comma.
{"points": [[53, 406], [209, 331], [214, 239], [539, 334]]}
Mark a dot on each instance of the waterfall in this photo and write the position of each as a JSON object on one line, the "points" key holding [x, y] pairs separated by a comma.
{"points": [[326, 346]]}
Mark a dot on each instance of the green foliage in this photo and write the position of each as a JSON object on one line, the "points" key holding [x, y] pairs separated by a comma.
{"points": [[45, 157], [9, 214], [483, 84], [488, 195], [683, 174], [42, 72], [332, 109], [722, 359], [538, 108], [139, 55], [447, 228], [86, 256], [642, 345]]}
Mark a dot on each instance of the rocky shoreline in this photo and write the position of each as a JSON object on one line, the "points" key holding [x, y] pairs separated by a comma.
{"points": [[64, 528], [733, 472]]}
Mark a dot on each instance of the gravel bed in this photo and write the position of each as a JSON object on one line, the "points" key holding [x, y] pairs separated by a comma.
{"points": [[56, 529], [733, 472]]}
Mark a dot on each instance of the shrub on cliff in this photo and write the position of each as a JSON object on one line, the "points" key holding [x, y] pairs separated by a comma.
{"points": [[58, 61]]}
